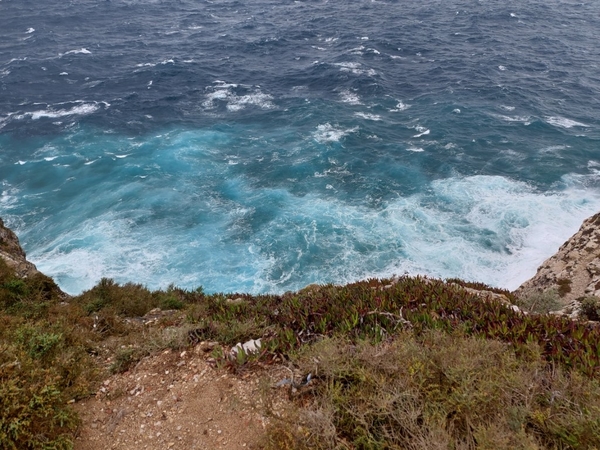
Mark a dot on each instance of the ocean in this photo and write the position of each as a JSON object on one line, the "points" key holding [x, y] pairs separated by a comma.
{"points": [[261, 146]]}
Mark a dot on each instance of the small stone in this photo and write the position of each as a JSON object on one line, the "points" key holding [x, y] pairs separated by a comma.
{"points": [[235, 301]]}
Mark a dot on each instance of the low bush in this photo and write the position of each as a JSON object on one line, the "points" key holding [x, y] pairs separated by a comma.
{"points": [[590, 307], [541, 302], [33, 404], [564, 286], [438, 390]]}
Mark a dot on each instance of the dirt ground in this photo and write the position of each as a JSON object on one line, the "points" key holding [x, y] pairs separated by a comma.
{"points": [[179, 400]]}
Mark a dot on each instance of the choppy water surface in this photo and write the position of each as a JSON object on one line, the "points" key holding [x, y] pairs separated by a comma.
{"points": [[261, 146]]}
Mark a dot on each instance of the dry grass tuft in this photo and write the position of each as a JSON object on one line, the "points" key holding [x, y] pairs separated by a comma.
{"points": [[439, 391]]}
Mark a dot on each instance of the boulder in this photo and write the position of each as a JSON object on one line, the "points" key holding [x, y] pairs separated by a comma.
{"points": [[12, 253]]}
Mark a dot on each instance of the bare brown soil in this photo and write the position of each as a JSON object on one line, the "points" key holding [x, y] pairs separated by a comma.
{"points": [[178, 400]]}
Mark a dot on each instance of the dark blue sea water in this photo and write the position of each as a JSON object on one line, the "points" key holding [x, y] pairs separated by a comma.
{"points": [[264, 145]]}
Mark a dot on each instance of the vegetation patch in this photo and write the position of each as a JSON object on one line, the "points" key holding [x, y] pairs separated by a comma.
{"points": [[541, 302], [397, 363], [564, 286], [437, 390], [590, 307]]}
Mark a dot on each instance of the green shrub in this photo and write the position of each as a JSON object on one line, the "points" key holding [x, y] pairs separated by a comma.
{"points": [[33, 405], [171, 302], [129, 300], [564, 286], [38, 344], [590, 307], [123, 360], [541, 302]]}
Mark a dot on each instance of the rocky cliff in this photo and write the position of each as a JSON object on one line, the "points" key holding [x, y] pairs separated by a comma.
{"points": [[12, 253], [574, 271]]}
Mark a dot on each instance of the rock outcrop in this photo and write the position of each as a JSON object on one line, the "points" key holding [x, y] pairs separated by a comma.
{"points": [[12, 253], [574, 271]]}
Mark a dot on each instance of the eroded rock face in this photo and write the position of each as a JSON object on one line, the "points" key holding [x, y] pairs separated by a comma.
{"points": [[574, 271], [12, 253]]}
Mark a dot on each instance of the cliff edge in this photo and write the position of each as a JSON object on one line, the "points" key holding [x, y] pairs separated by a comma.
{"points": [[13, 254], [573, 271]]}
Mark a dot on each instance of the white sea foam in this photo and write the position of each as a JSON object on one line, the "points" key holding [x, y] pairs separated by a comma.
{"points": [[368, 116], [415, 149], [554, 148], [30, 30], [12, 60], [81, 109], [422, 131], [526, 120], [62, 74], [483, 228], [502, 68], [82, 51], [163, 63], [224, 92], [348, 65], [335, 170], [355, 68], [564, 122], [400, 107], [357, 50], [237, 103], [352, 98], [9, 197], [507, 108], [328, 133]]}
